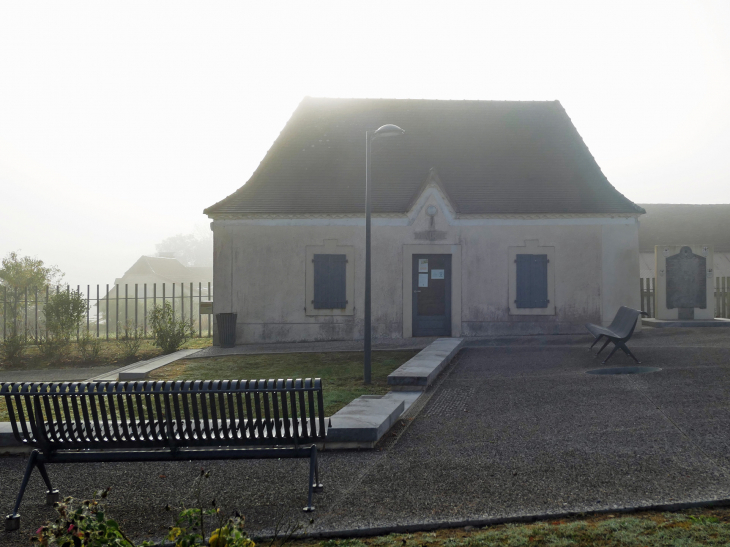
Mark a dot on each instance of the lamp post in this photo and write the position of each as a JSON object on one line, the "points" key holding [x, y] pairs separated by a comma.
{"points": [[388, 130]]}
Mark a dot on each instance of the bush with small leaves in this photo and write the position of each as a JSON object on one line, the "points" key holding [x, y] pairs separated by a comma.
{"points": [[168, 332], [12, 347], [130, 342], [89, 347]]}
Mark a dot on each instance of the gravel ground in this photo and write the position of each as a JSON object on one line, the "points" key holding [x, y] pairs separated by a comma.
{"points": [[512, 429]]}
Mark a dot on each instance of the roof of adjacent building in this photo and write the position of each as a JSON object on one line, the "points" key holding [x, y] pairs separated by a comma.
{"points": [[672, 224], [492, 157], [166, 269]]}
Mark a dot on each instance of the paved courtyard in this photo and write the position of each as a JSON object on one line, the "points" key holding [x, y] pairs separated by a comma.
{"points": [[514, 427]]}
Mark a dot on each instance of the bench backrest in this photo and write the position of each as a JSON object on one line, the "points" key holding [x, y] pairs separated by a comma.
{"points": [[74, 415], [624, 322]]}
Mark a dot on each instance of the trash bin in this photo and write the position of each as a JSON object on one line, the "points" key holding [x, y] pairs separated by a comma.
{"points": [[226, 329]]}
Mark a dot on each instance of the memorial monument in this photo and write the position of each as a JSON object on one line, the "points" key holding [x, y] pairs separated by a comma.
{"points": [[684, 282]]}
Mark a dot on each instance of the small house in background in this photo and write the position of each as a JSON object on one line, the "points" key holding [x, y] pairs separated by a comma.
{"points": [[489, 217], [150, 281]]}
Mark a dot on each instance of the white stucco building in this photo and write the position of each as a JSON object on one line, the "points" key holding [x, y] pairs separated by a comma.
{"points": [[488, 218]]}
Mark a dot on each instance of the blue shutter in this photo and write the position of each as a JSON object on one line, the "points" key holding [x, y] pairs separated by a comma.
{"points": [[523, 281], [539, 292], [532, 289], [329, 281]]}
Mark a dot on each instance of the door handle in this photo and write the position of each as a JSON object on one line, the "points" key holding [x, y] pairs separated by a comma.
{"points": [[416, 291]]}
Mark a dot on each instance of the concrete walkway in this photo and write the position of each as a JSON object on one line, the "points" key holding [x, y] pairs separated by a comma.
{"points": [[509, 430]]}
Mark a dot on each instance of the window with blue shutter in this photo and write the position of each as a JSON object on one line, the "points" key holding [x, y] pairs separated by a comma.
{"points": [[532, 281], [329, 282]]}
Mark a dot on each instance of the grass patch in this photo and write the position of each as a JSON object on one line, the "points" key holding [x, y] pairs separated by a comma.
{"points": [[110, 354], [650, 529], [341, 373]]}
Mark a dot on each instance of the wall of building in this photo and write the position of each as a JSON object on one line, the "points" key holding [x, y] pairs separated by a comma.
{"points": [[260, 272]]}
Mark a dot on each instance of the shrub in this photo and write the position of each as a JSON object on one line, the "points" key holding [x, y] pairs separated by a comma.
{"points": [[130, 341], [12, 347], [89, 347], [168, 332], [64, 313], [86, 523]]}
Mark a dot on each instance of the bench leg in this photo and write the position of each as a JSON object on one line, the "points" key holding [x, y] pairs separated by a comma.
{"points": [[52, 496], [615, 347], [603, 347], [627, 351], [595, 342], [12, 521], [312, 465], [317, 486]]}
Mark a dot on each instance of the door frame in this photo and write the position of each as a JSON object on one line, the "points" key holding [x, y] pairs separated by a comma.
{"points": [[408, 252]]}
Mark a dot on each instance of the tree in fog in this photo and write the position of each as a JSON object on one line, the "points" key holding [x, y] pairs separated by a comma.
{"points": [[190, 249]]}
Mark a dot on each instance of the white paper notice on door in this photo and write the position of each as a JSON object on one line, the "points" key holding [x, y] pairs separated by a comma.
{"points": [[437, 274], [423, 265], [423, 280]]}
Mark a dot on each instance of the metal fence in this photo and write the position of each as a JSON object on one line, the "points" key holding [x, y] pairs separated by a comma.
{"points": [[108, 313], [722, 296]]}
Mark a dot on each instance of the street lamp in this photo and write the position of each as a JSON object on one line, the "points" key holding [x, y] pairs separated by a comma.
{"points": [[388, 130]]}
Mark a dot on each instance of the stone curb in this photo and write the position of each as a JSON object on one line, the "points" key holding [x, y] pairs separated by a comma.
{"points": [[494, 521], [363, 422], [663, 323], [420, 371]]}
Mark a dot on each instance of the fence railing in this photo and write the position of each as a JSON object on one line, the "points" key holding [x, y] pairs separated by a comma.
{"points": [[108, 313], [722, 296]]}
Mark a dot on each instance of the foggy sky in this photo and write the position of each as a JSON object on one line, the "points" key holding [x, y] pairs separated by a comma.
{"points": [[120, 122]]}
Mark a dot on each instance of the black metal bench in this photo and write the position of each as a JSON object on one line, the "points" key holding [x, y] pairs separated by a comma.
{"points": [[163, 421], [619, 331]]}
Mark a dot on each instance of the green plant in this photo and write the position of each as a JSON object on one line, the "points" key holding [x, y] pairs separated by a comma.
{"points": [[13, 346], [82, 524], [189, 527], [86, 524], [89, 347], [130, 341], [53, 349], [168, 332], [64, 313]]}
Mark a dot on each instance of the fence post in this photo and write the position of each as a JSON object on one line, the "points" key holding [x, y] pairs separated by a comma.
{"points": [[136, 304], [163, 295], [5, 310], [78, 327], [48, 288], [116, 313], [209, 315], [192, 323], [200, 315], [173, 299], [126, 305], [107, 311], [144, 289], [182, 300], [25, 318], [97, 310], [36, 315]]}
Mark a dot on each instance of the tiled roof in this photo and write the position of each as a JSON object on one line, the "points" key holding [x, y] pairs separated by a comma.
{"points": [[492, 157], [677, 224]]}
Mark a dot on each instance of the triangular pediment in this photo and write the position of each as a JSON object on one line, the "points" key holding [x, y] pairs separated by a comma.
{"points": [[432, 187]]}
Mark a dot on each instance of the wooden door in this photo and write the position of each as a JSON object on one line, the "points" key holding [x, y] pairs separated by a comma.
{"points": [[431, 285]]}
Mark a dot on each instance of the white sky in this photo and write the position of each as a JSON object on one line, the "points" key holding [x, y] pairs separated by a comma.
{"points": [[120, 122]]}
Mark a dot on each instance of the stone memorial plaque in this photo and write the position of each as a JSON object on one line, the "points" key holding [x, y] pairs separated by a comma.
{"points": [[686, 281]]}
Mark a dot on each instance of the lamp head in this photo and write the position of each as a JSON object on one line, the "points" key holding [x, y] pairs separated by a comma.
{"points": [[388, 130]]}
